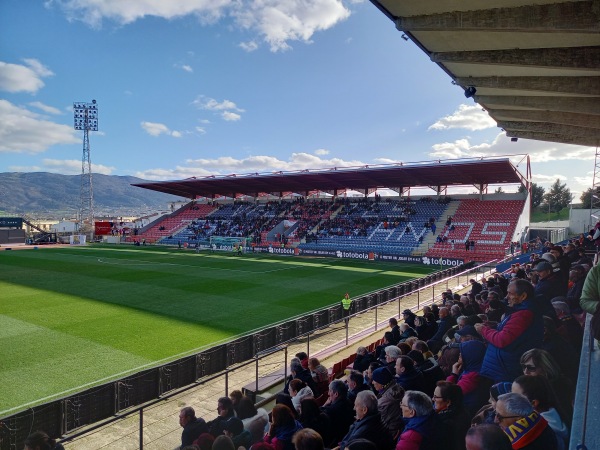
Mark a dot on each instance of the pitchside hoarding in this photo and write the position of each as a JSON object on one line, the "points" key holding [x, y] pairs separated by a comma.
{"points": [[369, 256]]}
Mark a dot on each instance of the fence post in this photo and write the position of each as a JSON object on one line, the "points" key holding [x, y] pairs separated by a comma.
{"points": [[376, 317], [418, 299], [256, 387], [285, 364], [226, 382], [308, 344], [141, 428], [347, 332]]}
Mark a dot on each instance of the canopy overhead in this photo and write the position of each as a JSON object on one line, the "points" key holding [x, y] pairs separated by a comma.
{"points": [[534, 65], [436, 175]]}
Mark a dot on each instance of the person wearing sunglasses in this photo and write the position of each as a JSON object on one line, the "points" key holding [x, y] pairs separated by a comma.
{"points": [[525, 428]]}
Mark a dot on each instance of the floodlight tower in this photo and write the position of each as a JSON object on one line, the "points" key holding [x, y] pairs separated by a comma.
{"points": [[85, 116]]}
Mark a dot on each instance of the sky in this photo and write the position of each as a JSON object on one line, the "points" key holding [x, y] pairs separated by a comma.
{"points": [[191, 88]]}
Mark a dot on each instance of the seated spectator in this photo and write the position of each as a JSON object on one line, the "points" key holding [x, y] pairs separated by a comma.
{"points": [[486, 412], [339, 410], [520, 330], [312, 417], [283, 427], [539, 393], [368, 374], [192, 426], [389, 395], [395, 330], [525, 428], [356, 384], [363, 359], [303, 357], [423, 348], [392, 353], [404, 348], [445, 323], [465, 374], [487, 437], [205, 441], [254, 420], [318, 371], [300, 373], [406, 331], [409, 317], [421, 424], [576, 280], [408, 376], [235, 397], [380, 349], [41, 441], [285, 399], [495, 310], [454, 419], [368, 424], [234, 429], [307, 439], [298, 391]]}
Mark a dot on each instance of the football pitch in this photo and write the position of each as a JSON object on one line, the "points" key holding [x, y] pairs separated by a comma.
{"points": [[73, 317]]}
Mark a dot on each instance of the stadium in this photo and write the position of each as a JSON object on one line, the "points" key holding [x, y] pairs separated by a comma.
{"points": [[105, 342]]}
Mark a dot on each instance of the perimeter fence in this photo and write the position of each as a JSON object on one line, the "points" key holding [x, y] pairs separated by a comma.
{"points": [[80, 413]]}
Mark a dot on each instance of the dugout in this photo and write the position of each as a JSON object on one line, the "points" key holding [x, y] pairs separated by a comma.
{"points": [[11, 231]]}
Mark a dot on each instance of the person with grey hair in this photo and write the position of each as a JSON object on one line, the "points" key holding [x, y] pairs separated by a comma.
{"points": [[363, 359], [339, 410], [421, 430], [368, 423], [525, 428]]}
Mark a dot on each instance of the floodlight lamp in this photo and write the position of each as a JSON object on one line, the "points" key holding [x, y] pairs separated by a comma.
{"points": [[470, 91]]}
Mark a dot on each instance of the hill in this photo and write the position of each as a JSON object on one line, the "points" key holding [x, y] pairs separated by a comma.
{"points": [[41, 192]]}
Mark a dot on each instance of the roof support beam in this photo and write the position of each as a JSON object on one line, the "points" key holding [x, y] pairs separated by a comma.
{"points": [[564, 17], [562, 58], [545, 127], [565, 118], [587, 105], [555, 137], [572, 85]]}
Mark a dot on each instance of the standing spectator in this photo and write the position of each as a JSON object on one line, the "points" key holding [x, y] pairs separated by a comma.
{"points": [[590, 298], [520, 330], [346, 307]]}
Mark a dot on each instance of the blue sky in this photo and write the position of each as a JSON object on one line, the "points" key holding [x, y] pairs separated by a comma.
{"points": [[199, 87]]}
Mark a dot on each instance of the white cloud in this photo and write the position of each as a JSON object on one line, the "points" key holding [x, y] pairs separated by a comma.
{"points": [[156, 129], [276, 21], [210, 104], [539, 151], [469, 117], [249, 46], [46, 108], [24, 131], [200, 130], [184, 67], [19, 78], [321, 152], [72, 167], [230, 116], [227, 164]]}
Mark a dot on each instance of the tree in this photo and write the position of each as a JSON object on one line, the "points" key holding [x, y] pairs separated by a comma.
{"points": [[499, 190], [537, 194], [558, 197], [586, 198]]}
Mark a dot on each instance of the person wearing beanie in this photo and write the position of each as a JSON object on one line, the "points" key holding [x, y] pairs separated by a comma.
{"points": [[486, 413], [389, 395]]}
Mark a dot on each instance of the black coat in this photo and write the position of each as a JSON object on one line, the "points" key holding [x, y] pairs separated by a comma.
{"points": [[370, 428], [341, 416]]}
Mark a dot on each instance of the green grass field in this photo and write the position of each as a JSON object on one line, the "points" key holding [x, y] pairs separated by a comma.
{"points": [[74, 317]]}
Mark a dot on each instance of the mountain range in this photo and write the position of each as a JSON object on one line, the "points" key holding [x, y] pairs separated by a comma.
{"points": [[49, 193]]}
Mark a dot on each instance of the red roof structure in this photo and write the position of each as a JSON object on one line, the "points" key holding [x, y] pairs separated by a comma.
{"points": [[437, 175]]}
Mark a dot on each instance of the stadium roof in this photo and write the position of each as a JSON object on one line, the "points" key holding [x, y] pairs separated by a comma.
{"points": [[534, 64], [434, 174]]}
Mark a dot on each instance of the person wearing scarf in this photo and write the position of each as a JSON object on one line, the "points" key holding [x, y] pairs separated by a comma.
{"points": [[525, 428]]}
